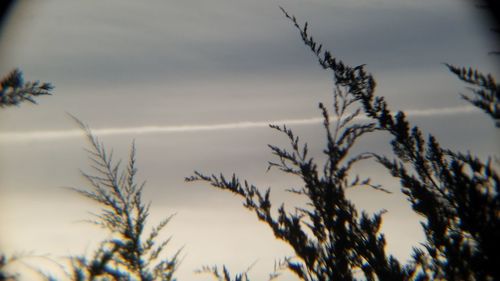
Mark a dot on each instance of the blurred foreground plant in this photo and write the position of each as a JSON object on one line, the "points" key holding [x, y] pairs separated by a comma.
{"points": [[131, 253], [14, 90]]}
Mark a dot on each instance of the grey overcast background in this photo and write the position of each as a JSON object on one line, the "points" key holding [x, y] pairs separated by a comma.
{"points": [[196, 71]]}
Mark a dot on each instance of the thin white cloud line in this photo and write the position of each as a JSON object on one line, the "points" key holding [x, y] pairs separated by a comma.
{"points": [[7, 137]]}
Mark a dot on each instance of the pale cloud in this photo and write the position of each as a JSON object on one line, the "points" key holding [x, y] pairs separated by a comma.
{"points": [[14, 137]]}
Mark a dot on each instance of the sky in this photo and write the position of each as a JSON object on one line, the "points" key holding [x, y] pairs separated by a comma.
{"points": [[195, 84]]}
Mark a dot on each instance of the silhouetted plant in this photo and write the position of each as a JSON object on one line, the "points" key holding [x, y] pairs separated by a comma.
{"points": [[14, 90], [456, 194], [225, 275], [131, 254], [485, 91], [330, 238]]}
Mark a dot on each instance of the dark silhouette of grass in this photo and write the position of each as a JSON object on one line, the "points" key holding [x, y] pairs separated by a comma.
{"points": [[455, 193], [14, 90], [132, 253]]}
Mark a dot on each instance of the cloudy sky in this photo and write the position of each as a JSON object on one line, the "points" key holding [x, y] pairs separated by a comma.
{"points": [[195, 83]]}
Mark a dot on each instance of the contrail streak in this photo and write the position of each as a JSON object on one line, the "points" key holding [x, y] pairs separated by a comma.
{"points": [[7, 137]]}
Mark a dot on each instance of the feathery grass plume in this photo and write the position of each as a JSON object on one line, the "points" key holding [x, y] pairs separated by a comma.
{"points": [[456, 193], [330, 238], [131, 254], [225, 275], [485, 91], [14, 90]]}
